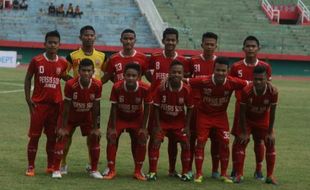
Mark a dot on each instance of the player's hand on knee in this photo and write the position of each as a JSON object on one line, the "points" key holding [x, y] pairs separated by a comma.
{"points": [[243, 138], [111, 135], [143, 136], [270, 138], [96, 132], [61, 133], [186, 131]]}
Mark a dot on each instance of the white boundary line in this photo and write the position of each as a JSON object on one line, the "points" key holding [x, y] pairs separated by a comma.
{"points": [[12, 84]]}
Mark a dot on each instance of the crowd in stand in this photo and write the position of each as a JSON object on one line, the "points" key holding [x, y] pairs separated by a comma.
{"points": [[60, 10], [16, 4]]}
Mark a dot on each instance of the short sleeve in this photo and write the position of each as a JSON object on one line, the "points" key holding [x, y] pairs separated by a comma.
{"points": [[114, 95], [68, 91], [32, 67]]}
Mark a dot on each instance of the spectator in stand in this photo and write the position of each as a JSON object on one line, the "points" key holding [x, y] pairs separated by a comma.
{"points": [[70, 10], [15, 4], [23, 5], [60, 10], [51, 9], [77, 11]]}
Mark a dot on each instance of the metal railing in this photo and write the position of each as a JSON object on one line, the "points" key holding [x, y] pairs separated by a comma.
{"points": [[273, 14], [149, 10], [305, 13]]}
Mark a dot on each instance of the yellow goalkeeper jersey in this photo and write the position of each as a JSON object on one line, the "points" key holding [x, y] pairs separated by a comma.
{"points": [[97, 57]]}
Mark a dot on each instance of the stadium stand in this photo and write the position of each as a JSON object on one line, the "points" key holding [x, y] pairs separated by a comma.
{"points": [[108, 17], [233, 21]]}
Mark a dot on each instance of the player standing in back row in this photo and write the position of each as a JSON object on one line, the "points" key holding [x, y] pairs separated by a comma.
{"points": [[243, 69], [87, 37], [157, 71]]}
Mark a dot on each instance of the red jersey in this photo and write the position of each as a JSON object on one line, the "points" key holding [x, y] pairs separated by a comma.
{"points": [[129, 103], [200, 67], [215, 98], [82, 98], [47, 75], [116, 64], [171, 105], [244, 71], [159, 66], [258, 106]]}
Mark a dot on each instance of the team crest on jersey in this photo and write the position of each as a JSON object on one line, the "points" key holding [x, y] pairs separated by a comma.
{"points": [[58, 70], [164, 99], [97, 61], [207, 91], [92, 97], [138, 100], [121, 99], [75, 95], [266, 101], [181, 100]]}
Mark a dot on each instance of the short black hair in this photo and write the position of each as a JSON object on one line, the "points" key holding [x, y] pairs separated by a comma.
{"points": [[222, 60], [53, 33], [87, 27], [134, 66], [170, 31], [175, 62], [259, 70], [85, 63], [209, 35], [251, 38], [128, 30]]}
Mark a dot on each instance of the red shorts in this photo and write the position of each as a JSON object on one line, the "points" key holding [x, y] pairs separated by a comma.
{"points": [[216, 127], [84, 120], [258, 133], [129, 124], [219, 134], [44, 116], [177, 134], [211, 121]]}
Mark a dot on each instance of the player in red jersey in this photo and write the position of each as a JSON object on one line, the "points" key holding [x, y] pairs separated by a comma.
{"points": [[157, 71], [257, 114], [170, 119], [47, 68], [244, 70], [129, 98], [200, 66], [116, 63], [81, 108], [216, 91]]}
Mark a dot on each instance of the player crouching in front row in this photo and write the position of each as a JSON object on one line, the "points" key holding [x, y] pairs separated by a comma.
{"points": [[257, 115], [169, 102], [81, 108], [128, 97]]}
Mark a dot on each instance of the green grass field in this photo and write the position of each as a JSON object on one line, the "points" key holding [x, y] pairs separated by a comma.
{"points": [[292, 145]]}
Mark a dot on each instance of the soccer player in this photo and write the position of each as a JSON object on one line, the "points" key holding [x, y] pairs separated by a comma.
{"points": [[87, 37], [200, 66], [47, 68], [81, 108], [116, 63], [243, 69], [169, 118], [257, 114], [157, 71], [216, 90], [129, 98]]}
